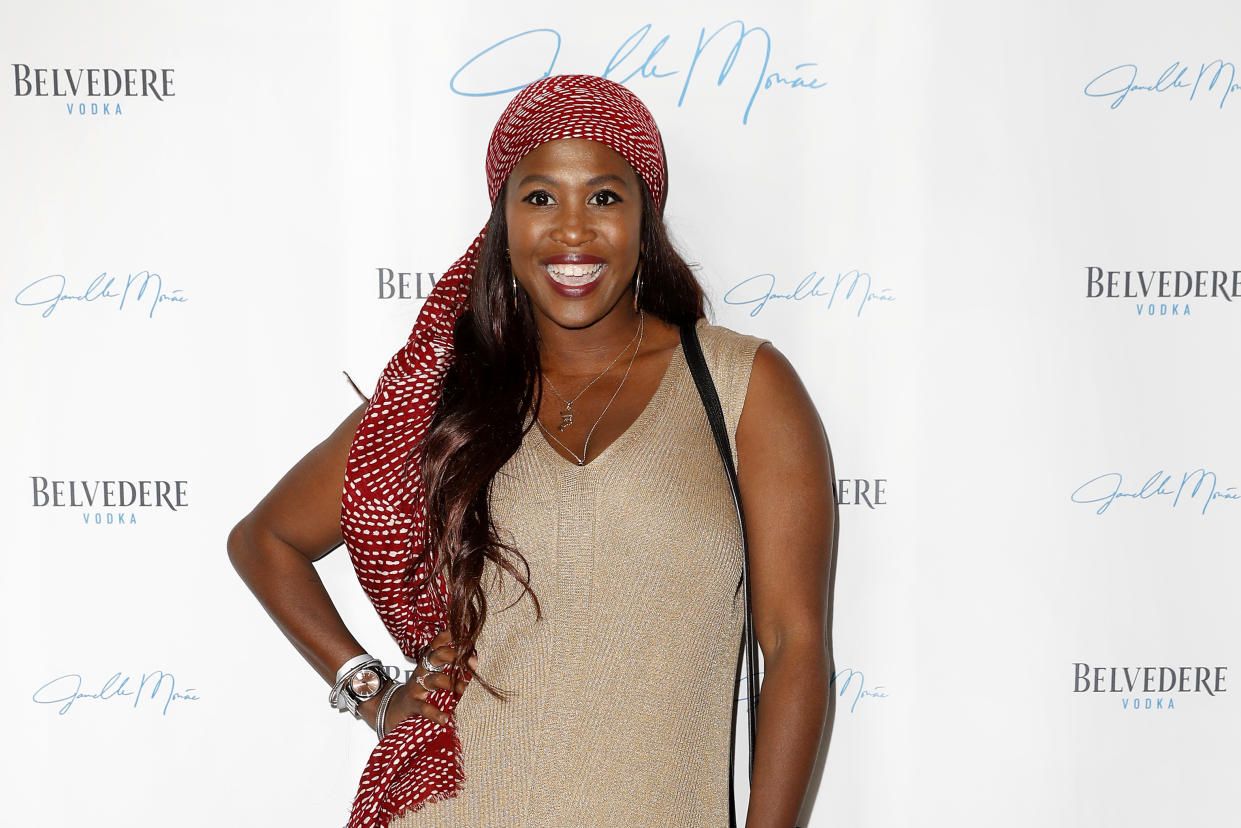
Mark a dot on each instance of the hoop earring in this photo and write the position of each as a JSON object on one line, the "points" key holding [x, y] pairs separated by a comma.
{"points": [[637, 287]]}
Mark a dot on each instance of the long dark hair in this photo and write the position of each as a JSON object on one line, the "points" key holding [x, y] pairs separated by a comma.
{"points": [[489, 394]]}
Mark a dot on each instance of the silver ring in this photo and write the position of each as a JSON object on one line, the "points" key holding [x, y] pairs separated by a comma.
{"points": [[422, 684], [431, 668]]}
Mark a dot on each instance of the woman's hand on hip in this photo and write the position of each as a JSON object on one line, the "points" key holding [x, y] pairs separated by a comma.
{"points": [[411, 699]]}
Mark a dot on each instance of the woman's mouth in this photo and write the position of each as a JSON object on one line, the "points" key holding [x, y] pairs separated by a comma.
{"points": [[574, 279], [574, 275]]}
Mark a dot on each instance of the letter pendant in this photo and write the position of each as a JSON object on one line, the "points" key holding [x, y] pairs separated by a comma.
{"points": [[566, 420]]}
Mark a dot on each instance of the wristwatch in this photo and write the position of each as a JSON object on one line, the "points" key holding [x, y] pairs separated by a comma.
{"points": [[358, 681]]}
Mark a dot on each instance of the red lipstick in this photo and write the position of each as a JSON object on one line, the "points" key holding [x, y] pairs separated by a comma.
{"points": [[577, 274]]}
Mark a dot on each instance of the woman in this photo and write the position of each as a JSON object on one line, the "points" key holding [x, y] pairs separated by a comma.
{"points": [[579, 547]]}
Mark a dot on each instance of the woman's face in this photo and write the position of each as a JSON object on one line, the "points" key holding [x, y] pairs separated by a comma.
{"points": [[574, 213]]}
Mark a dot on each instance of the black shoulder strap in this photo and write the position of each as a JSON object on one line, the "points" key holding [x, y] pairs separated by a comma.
{"points": [[749, 644]]}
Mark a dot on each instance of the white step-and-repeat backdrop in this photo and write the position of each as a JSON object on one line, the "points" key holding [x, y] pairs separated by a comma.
{"points": [[999, 241]]}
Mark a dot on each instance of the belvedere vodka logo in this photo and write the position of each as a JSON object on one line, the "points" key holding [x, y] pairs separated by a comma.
{"points": [[1163, 293], [405, 284], [86, 91], [870, 492], [1142, 688], [109, 502]]}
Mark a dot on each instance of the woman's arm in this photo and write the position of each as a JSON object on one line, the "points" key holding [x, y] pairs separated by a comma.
{"points": [[274, 549], [785, 471]]}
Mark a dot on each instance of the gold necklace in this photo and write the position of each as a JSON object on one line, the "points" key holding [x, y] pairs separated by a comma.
{"points": [[581, 461], [566, 415]]}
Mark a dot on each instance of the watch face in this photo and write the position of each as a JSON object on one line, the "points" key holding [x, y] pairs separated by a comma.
{"points": [[365, 684]]}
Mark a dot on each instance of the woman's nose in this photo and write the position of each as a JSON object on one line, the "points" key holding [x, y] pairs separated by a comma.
{"points": [[573, 228]]}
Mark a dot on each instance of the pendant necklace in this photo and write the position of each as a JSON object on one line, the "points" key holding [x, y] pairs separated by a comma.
{"points": [[566, 414], [581, 461]]}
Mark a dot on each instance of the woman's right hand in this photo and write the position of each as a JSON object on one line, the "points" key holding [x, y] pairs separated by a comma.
{"points": [[411, 699]]}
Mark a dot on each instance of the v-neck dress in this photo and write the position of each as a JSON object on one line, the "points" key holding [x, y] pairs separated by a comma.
{"points": [[621, 694]]}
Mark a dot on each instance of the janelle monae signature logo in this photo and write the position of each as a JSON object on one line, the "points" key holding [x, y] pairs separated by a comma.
{"points": [[157, 689], [135, 292]]}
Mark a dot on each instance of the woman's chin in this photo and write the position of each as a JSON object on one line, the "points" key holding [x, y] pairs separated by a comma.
{"points": [[581, 312]]}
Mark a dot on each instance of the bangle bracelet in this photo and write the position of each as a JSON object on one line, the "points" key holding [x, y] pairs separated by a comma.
{"points": [[383, 708], [351, 665]]}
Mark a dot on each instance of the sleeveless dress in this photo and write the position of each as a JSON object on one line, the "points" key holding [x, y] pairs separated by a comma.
{"points": [[620, 701]]}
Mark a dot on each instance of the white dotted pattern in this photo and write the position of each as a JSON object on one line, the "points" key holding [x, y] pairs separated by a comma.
{"points": [[383, 506]]}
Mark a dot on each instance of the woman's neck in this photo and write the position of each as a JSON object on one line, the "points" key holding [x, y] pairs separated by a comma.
{"points": [[580, 351]]}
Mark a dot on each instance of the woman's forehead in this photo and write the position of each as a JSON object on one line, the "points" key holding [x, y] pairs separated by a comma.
{"points": [[573, 159]]}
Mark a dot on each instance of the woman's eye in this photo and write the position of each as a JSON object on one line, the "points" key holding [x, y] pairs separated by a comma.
{"points": [[539, 198], [603, 198]]}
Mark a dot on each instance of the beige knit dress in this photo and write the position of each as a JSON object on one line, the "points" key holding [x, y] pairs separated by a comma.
{"points": [[621, 696]]}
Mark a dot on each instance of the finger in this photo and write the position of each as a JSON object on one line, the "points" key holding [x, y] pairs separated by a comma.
{"points": [[443, 681], [429, 681], [442, 654], [430, 711]]}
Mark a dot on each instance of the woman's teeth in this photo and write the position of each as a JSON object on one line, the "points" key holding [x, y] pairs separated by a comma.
{"points": [[573, 275]]}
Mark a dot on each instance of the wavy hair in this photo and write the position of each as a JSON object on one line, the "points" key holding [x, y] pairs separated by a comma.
{"points": [[489, 394]]}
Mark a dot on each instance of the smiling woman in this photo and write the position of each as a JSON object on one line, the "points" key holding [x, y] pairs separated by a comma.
{"points": [[534, 502], [574, 224]]}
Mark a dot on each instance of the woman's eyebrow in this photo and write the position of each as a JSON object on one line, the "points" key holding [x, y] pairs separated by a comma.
{"points": [[536, 178], [608, 178]]}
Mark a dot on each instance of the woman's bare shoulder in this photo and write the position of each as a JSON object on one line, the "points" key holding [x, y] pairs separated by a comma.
{"points": [[779, 421]]}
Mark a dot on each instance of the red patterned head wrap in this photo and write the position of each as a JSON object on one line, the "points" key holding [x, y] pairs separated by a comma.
{"points": [[383, 509]]}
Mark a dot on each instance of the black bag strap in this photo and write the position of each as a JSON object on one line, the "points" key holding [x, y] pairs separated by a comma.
{"points": [[692, 349]]}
